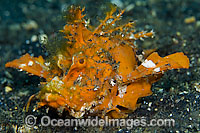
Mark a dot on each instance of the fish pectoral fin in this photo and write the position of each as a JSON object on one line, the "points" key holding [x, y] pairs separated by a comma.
{"points": [[33, 65], [154, 66]]}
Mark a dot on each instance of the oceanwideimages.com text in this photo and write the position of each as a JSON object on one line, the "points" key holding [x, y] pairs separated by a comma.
{"points": [[30, 120]]}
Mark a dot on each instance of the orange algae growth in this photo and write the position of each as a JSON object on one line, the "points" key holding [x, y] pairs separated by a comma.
{"points": [[98, 71]]}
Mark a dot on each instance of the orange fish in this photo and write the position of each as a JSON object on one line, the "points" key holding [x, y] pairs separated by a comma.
{"points": [[98, 72]]}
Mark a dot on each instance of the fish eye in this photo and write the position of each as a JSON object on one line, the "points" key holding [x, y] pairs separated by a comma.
{"points": [[81, 61]]}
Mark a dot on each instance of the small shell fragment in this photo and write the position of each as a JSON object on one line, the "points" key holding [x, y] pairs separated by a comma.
{"points": [[8, 89]]}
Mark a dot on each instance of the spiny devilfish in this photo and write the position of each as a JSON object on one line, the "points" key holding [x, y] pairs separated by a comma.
{"points": [[97, 72]]}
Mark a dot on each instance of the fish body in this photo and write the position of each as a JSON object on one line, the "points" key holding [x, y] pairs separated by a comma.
{"points": [[98, 71]]}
